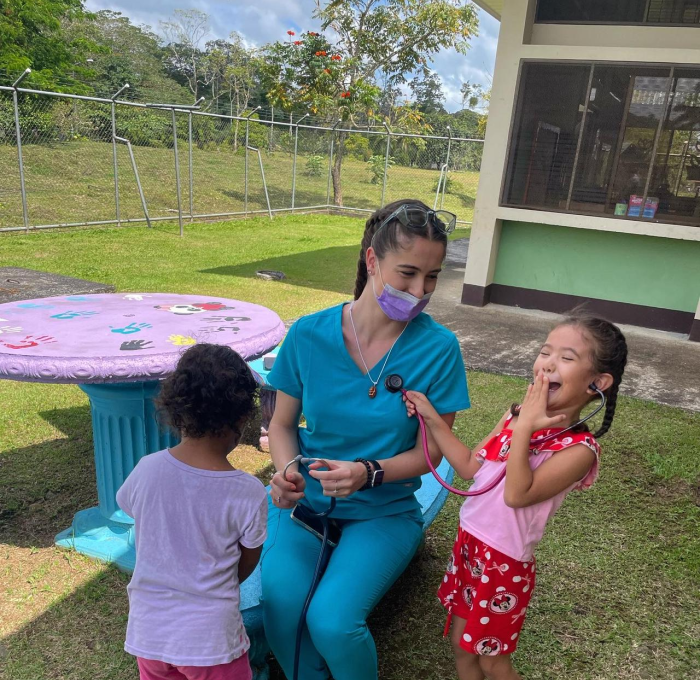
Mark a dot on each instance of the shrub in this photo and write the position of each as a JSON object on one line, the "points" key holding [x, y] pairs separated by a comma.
{"points": [[376, 166], [314, 166]]}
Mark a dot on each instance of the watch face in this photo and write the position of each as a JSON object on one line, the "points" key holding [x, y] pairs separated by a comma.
{"points": [[377, 478]]}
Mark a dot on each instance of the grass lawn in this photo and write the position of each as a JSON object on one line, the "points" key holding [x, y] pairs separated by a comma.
{"points": [[618, 585], [73, 182]]}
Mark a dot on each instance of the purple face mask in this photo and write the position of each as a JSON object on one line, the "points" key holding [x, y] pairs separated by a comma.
{"points": [[399, 305]]}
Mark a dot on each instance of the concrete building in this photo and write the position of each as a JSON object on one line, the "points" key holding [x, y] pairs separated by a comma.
{"points": [[590, 179]]}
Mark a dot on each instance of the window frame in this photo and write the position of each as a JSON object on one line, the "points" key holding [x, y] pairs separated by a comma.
{"points": [[581, 22], [514, 123]]}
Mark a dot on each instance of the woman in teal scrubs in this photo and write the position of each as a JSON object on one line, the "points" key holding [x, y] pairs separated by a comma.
{"points": [[331, 367]]}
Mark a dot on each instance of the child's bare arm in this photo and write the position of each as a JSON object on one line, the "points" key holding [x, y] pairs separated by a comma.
{"points": [[249, 560], [459, 456]]}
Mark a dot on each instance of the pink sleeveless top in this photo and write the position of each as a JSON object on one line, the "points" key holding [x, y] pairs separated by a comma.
{"points": [[517, 531]]}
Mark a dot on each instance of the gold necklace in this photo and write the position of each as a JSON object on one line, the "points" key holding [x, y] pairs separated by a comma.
{"points": [[372, 390]]}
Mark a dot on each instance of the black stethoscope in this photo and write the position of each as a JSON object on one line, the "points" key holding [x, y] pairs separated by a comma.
{"points": [[394, 384]]}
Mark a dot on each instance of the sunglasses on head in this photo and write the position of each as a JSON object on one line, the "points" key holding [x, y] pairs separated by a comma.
{"points": [[417, 217]]}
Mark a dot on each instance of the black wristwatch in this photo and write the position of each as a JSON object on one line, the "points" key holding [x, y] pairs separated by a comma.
{"points": [[375, 474]]}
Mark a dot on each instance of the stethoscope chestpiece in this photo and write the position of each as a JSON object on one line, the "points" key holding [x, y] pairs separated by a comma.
{"points": [[393, 383]]}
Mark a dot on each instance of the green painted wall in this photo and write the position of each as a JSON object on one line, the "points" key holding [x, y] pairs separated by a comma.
{"points": [[642, 270]]}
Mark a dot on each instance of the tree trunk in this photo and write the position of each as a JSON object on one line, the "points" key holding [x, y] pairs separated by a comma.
{"points": [[339, 149]]}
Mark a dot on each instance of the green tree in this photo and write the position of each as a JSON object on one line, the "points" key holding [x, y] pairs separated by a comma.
{"points": [[184, 34], [125, 53], [31, 35], [428, 95], [338, 80]]}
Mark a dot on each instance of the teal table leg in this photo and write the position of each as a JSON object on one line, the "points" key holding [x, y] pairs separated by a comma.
{"points": [[124, 430]]}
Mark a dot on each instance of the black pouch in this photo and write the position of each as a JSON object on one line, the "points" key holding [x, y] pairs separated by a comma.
{"points": [[310, 521]]}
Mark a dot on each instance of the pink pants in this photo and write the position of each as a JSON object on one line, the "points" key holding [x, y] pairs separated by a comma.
{"points": [[238, 669]]}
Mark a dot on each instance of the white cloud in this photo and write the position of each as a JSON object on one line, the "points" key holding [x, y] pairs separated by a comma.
{"points": [[262, 21]]}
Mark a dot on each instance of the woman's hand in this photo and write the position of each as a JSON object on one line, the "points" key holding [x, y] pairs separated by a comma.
{"points": [[287, 492], [417, 402], [533, 412], [341, 479]]}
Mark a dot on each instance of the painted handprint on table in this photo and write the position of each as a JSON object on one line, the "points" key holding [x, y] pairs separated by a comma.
{"points": [[6, 330], [72, 315], [135, 345], [78, 298], [35, 305], [131, 328], [28, 341], [135, 297], [181, 340]]}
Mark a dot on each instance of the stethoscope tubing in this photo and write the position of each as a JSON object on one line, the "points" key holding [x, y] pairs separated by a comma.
{"points": [[494, 483]]}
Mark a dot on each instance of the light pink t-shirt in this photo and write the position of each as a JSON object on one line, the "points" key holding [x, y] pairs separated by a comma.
{"points": [[184, 595], [517, 531]]}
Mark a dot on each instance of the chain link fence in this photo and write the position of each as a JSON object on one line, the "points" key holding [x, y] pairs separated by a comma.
{"points": [[68, 160]]}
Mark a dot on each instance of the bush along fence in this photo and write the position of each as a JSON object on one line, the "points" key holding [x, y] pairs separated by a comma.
{"points": [[72, 160]]}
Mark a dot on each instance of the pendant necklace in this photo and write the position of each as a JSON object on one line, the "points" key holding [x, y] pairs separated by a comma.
{"points": [[373, 390]]}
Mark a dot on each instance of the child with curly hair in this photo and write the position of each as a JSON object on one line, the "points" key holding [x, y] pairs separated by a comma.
{"points": [[200, 525]]}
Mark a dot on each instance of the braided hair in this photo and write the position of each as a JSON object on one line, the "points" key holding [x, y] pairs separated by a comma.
{"points": [[608, 355], [388, 239]]}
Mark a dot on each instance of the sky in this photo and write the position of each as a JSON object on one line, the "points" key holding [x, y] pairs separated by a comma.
{"points": [[263, 21]]}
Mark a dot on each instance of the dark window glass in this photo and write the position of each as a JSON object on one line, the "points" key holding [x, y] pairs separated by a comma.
{"points": [[598, 11], [675, 183], [633, 150], [674, 12], [646, 106], [544, 145]]}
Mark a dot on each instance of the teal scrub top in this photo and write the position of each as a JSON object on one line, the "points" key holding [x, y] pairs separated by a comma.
{"points": [[343, 423]]}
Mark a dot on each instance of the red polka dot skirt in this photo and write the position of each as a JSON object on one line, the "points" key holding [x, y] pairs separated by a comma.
{"points": [[491, 591]]}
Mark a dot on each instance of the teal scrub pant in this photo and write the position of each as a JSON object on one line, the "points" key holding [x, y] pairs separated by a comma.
{"points": [[370, 556]]}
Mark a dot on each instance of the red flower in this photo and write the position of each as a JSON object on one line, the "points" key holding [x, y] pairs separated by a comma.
{"points": [[326, 70], [318, 54], [298, 42], [291, 33], [323, 54], [336, 57], [344, 95], [311, 33]]}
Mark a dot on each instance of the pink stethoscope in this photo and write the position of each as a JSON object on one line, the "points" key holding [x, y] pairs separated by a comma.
{"points": [[394, 384]]}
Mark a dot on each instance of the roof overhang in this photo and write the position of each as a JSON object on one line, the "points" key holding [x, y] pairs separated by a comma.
{"points": [[492, 7]]}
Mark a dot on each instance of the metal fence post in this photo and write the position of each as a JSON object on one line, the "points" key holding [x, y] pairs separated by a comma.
{"points": [[189, 162], [330, 163], [272, 129], [245, 162], [18, 134], [294, 160], [386, 161], [447, 166], [177, 172], [190, 167], [114, 153]]}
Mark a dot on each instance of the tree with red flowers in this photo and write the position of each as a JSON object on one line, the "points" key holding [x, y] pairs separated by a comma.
{"points": [[338, 80]]}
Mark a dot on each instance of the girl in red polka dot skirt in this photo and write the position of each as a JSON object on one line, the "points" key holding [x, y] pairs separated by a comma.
{"points": [[491, 572]]}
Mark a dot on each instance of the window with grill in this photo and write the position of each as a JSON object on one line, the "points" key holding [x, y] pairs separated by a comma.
{"points": [[618, 140], [673, 12]]}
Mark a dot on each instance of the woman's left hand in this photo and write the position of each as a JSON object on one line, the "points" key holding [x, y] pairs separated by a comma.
{"points": [[341, 478]]}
